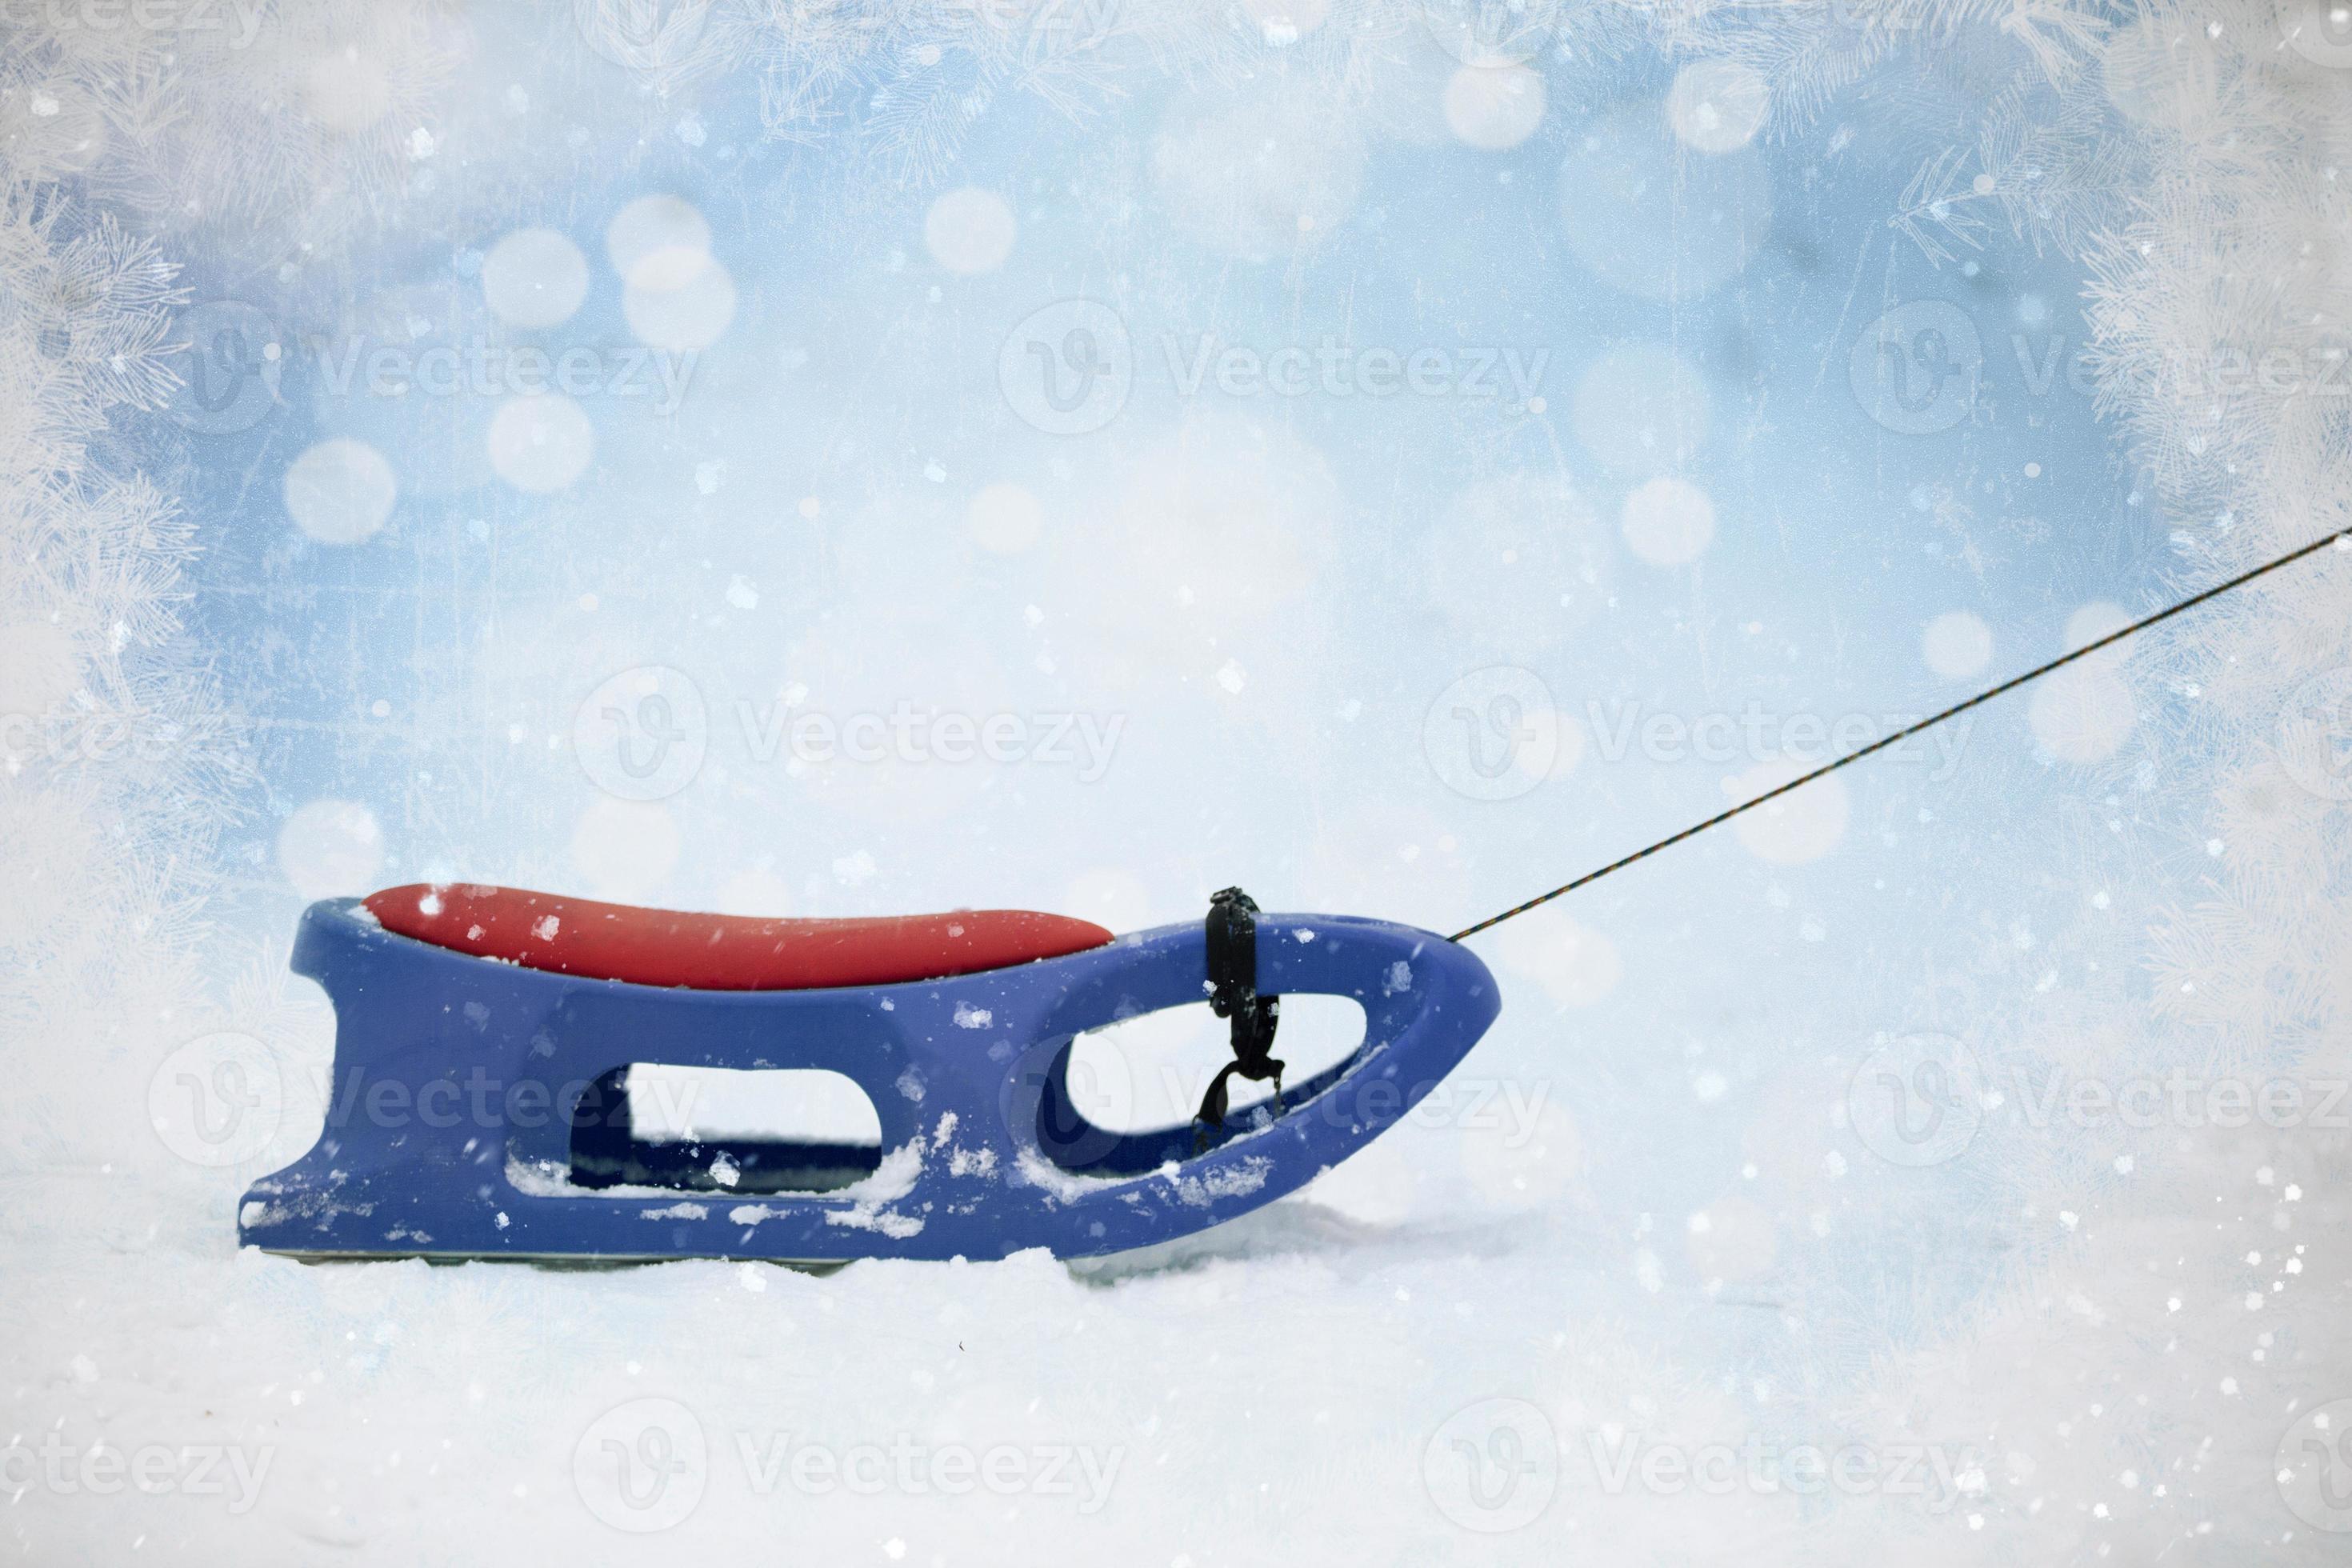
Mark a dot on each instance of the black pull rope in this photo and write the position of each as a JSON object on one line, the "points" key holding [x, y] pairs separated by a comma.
{"points": [[2341, 541]]}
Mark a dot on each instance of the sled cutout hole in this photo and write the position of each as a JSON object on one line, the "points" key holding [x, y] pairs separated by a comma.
{"points": [[724, 1130], [671, 1104], [1150, 1071]]}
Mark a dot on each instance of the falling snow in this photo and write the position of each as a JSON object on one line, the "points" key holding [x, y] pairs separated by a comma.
{"points": [[387, 381]]}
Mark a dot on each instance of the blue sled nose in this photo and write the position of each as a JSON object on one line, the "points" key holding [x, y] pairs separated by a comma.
{"points": [[456, 1116]]}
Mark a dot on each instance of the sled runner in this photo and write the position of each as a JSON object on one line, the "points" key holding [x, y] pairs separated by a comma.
{"points": [[480, 1107]]}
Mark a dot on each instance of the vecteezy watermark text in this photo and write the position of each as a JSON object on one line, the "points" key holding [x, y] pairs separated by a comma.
{"points": [[1938, 1473], [643, 735], [233, 363], [1923, 367], [1494, 1466], [1100, 1087], [481, 368], [1495, 733], [1757, 735], [239, 22], [156, 1469], [915, 735], [2187, 1100], [67, 735], [1081, 21], [1336, 370], [221, 1099], [1492, 33], [909, 1468], [1921, 1098], [1067, 369], [644, 1465]]}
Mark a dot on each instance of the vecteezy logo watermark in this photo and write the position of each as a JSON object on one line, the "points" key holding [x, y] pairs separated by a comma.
{"points": [[1493, 734], [910, 1468], [2184, 1100], [1493, 1467], [217, 1100], [1067, 370], [72, 736], [1078, 1097], [908, 734], [2314, 1468], [1940, 1474], [1754, 734], [1915, 369], [2315, 735], [1917, 1099], [641, 35], [495, 1104], [480, 368], [195, 1470], [222, 1101], [1337, 370], [239, 21], [233, 363], [2318, 30], [1921, 368], [643, 1466], [1093, 1104], [230, 371], [1488, 33], [1081, 21], [642, 735], [1866, 21]]}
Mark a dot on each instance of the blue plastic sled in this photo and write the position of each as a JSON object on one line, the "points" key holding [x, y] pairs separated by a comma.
{"points": [[479, 1109]]}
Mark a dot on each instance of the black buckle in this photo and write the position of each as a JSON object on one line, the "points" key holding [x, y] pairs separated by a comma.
{"points": [[1231, 932]]}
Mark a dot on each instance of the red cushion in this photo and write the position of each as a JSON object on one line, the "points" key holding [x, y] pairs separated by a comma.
{"points": [[721, 952]]}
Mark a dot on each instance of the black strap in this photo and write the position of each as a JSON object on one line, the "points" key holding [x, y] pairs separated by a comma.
{"points": [[1233, 993]]}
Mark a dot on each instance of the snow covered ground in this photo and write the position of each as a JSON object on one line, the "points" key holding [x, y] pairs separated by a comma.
{"points": [[1392, 454]]}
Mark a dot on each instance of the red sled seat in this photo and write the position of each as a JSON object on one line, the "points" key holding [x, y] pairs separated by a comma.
{"points": [[721, 952]]}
